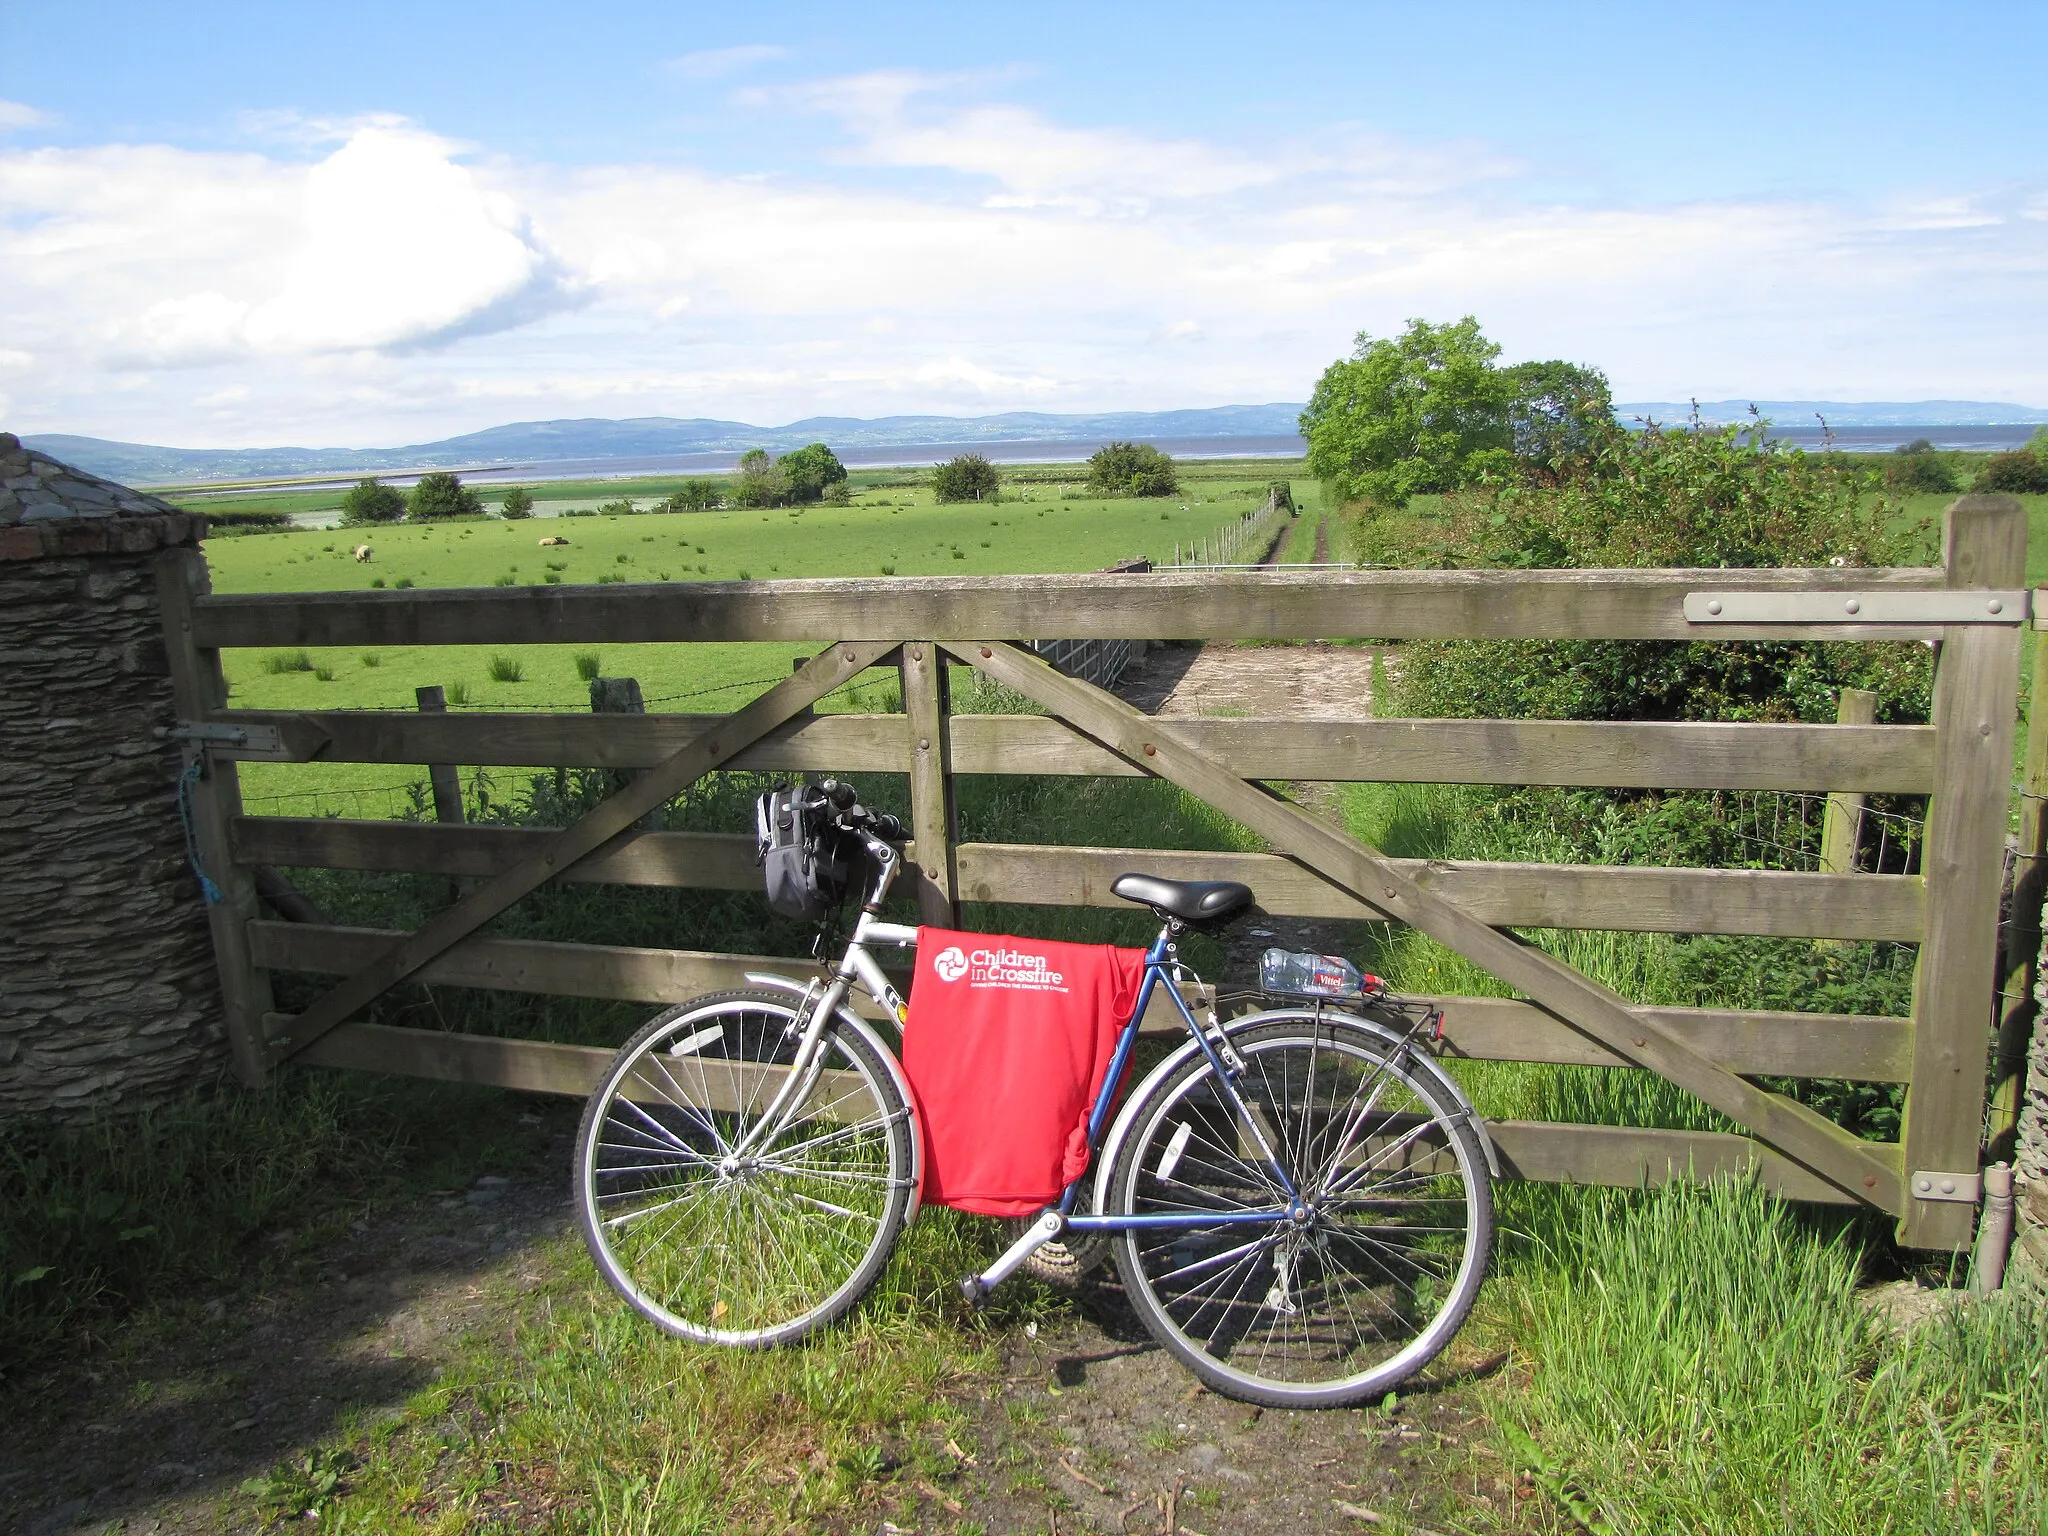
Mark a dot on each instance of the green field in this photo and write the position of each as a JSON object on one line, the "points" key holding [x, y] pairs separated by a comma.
{"points": [[1038, 526]]}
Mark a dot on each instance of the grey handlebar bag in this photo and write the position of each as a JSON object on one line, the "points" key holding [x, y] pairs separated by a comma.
{"points": [[805, 861]]}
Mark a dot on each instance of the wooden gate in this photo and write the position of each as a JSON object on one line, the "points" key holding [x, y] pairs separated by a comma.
{"points": [[1971, 605]]}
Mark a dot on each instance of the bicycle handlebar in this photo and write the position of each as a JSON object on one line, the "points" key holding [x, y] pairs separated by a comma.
{"points": [[842, 797]]}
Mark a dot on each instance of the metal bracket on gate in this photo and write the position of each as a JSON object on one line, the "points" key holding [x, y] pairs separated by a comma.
{"points": [[1959, 1187], [1874, 607], [249, 741]]}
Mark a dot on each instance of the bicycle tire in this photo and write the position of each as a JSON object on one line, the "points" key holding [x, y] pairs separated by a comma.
{"points": [[1380, 1275], [746, 1252]]}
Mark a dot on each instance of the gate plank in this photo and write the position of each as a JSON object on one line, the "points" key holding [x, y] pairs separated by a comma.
{"points": [[1283, 604], [616, 815], [1793, 1129]]}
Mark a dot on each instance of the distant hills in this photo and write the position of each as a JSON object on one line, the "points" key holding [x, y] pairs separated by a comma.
{"points": [[595, 439], [1790, 414], [532, 442]]}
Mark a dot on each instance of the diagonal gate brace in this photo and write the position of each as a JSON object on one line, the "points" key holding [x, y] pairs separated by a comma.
{"points": [[1859, 1169], [703, 752]]}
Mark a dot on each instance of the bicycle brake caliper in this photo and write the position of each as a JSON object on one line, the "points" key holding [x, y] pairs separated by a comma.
{"points": [[1232, 1062]]}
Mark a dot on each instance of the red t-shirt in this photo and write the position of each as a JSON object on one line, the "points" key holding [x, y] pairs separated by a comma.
{"points": [[1005, 1044]]}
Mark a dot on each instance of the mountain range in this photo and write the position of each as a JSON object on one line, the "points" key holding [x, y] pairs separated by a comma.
{"points": [[591, 439]]}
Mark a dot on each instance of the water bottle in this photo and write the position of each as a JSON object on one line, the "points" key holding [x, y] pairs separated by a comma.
{"points": [[1302, 975]]}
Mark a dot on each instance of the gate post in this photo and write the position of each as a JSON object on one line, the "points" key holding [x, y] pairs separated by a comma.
{"points": [[197, 690], [928, 709], [1976, 685]]}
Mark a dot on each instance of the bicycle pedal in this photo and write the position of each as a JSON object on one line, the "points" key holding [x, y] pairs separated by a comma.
{"points": [[975, 1291]]}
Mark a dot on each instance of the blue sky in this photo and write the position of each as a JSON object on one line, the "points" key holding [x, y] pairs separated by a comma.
{"points": [[250, 224]]}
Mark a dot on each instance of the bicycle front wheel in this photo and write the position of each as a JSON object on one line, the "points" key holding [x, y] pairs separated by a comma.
{"points": [[712, 1228], [1393, 1219]]}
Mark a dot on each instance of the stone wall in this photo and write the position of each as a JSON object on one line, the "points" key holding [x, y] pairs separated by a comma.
{"points": [[108, 995], [2028, 1265]]}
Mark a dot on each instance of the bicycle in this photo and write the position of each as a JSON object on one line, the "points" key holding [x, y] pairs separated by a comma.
{"points": [[1298, 1200]]}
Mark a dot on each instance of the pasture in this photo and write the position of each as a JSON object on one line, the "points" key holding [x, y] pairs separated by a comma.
{"points": [[1042, 524]]}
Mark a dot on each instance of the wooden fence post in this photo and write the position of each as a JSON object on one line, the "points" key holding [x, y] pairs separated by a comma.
{"points": [[2020, 966], [928, 706], [198, 689], [433, 700], [621, 696], [1963, 863], [1842, 821]]}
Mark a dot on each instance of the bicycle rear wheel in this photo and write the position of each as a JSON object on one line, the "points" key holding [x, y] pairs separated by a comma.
{"points": [[1396, 1222], [741, 1247]]}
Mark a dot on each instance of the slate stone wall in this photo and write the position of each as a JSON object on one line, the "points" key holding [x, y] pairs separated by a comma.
{"points": [[108, 995]]}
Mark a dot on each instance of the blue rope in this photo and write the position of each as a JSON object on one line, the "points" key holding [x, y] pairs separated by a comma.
{"points": [[185, 782]]}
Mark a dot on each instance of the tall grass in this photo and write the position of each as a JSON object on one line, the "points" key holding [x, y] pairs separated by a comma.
{"points": [[1700, 1362]]}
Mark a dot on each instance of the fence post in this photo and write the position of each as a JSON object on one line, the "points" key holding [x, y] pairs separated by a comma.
{"points": [[1963, 862], [197, 690], [621, 696], [2020, 967], [1842, 821], [928, 707], [433, 700]]}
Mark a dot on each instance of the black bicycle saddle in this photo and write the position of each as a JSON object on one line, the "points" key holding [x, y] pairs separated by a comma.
{"points": [[1202, 903]]}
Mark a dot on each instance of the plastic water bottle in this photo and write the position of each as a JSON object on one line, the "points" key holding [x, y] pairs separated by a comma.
{"points": [[1286, 971]]}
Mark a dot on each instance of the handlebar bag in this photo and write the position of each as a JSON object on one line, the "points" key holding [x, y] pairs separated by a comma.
{"points": [[805, 861], [1005, 1044]]}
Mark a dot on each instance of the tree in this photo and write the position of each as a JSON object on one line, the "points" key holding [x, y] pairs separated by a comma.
{"points": [[1410, 414], [762, 482], [691, 496], [811, 469], [1915, 466], [370, 500], [2017, 473], [1559, 416], [965, 477], [442, 495], [518, 503], [1132, 469]]}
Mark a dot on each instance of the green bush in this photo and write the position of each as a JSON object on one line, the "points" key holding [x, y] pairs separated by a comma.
{"points": [[1132, 469], [369, 500], [441, 495], [1915, 466], [693, 496], [811, 471], [965, 477], [506, 669], [2018, 473], [517, 505]]}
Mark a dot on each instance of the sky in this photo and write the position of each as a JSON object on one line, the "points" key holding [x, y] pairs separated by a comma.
{"points": [[374, 224]]}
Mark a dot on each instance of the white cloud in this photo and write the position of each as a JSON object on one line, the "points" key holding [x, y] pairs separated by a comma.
{"points": [[394, 289], [18, 114], [718, 63]]}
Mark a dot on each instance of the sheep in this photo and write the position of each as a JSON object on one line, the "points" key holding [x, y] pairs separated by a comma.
{"points": [[363, 553], [552, 540]]}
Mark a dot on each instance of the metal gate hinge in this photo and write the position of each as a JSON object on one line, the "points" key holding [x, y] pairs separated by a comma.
{"points": [[247, 740], [1960, 1187], [1879, 606]]}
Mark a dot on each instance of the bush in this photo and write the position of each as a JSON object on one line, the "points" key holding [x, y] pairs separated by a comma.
{"points": [[442, 495], [693, 496], [965, 477], [1132, 469], [2018, 473], [518, 504], [371, 501], [1915, 466], [811, 471]]}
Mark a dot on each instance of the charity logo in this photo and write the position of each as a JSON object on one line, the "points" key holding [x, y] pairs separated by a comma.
{"points": [[951, 963]]}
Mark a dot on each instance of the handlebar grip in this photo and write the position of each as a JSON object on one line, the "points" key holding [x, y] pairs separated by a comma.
{"points": [[842, 796], [889, 829]]}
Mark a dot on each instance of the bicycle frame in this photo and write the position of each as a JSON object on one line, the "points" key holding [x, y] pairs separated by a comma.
{"points": [[857, 965]]}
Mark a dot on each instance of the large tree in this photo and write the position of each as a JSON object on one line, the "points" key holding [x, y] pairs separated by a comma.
{"points": [[1132, 469], [812, 470], [965, 477], [761, 483], [1560, 415], [442, 495], [370, 500], [1410, 414]]}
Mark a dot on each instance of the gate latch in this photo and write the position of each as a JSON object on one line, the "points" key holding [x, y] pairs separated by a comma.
{"points": [[1959, 1187], [247, 741]]}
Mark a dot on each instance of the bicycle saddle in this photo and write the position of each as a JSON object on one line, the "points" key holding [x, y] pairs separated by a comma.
{"points": [[1201, 902]]}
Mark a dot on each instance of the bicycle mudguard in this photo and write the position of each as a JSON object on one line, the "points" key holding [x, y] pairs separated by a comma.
{"points": [[1119, 1128], [867, 1031]]}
